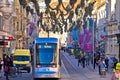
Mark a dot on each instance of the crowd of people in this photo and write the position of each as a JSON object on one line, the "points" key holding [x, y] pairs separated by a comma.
{"points": [[100, 61]]}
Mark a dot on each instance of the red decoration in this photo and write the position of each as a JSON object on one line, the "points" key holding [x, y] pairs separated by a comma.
{"points": [[10, 37], [102, 37]]}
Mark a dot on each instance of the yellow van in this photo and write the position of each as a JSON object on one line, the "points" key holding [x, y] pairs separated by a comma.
{"points": [[21, 59]]}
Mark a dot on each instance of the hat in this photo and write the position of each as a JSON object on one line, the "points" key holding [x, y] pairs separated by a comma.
{"points": [[118, 66]]}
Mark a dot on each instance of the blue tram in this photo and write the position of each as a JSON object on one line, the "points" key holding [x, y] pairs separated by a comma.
{"points": [[46, 62]]}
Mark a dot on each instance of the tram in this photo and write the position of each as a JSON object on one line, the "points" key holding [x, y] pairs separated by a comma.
{"points": [[46, 62]]}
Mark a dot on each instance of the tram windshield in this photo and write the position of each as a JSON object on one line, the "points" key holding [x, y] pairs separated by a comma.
{"points": [[46, 53]]}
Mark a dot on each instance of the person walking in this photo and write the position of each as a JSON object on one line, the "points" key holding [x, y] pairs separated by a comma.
{"points": [[98, 63], [12, 69], [102, 68], [6, 66], [83, 61], [94, 64], [107, 63]]}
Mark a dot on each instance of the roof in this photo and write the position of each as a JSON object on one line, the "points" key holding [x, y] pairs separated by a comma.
{"points": [[21, 52]]}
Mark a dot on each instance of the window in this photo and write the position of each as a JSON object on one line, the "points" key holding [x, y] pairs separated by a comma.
{"points": [[1, 22]]}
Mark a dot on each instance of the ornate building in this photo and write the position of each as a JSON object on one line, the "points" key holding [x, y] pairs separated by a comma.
{"points": [[113, 45], [6, 26]]}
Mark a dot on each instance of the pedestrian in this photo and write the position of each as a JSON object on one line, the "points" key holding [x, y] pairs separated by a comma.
{"points": [[102, 68], [0, 67], [107, 63], [86, 60], [83, 61], [79, 59], [11, 72], [94, 61], [98, 63], [6, 66]]}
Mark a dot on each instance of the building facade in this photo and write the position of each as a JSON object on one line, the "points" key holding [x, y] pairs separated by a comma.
{"points": [[107, 14], [99, 15], [113, 28], [6, 26]]}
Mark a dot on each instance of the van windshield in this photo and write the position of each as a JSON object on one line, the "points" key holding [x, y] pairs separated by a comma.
{"points": [[21, 58]]}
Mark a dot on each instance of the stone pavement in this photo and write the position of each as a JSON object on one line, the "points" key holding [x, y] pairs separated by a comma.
{"points": [[89, 72]]}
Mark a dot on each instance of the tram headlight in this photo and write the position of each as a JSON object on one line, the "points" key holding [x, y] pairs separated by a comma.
{"points": [[53, 66]]}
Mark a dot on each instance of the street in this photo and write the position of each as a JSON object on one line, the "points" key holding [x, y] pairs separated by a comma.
{"points": [[76, 72], [69, 71]]}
